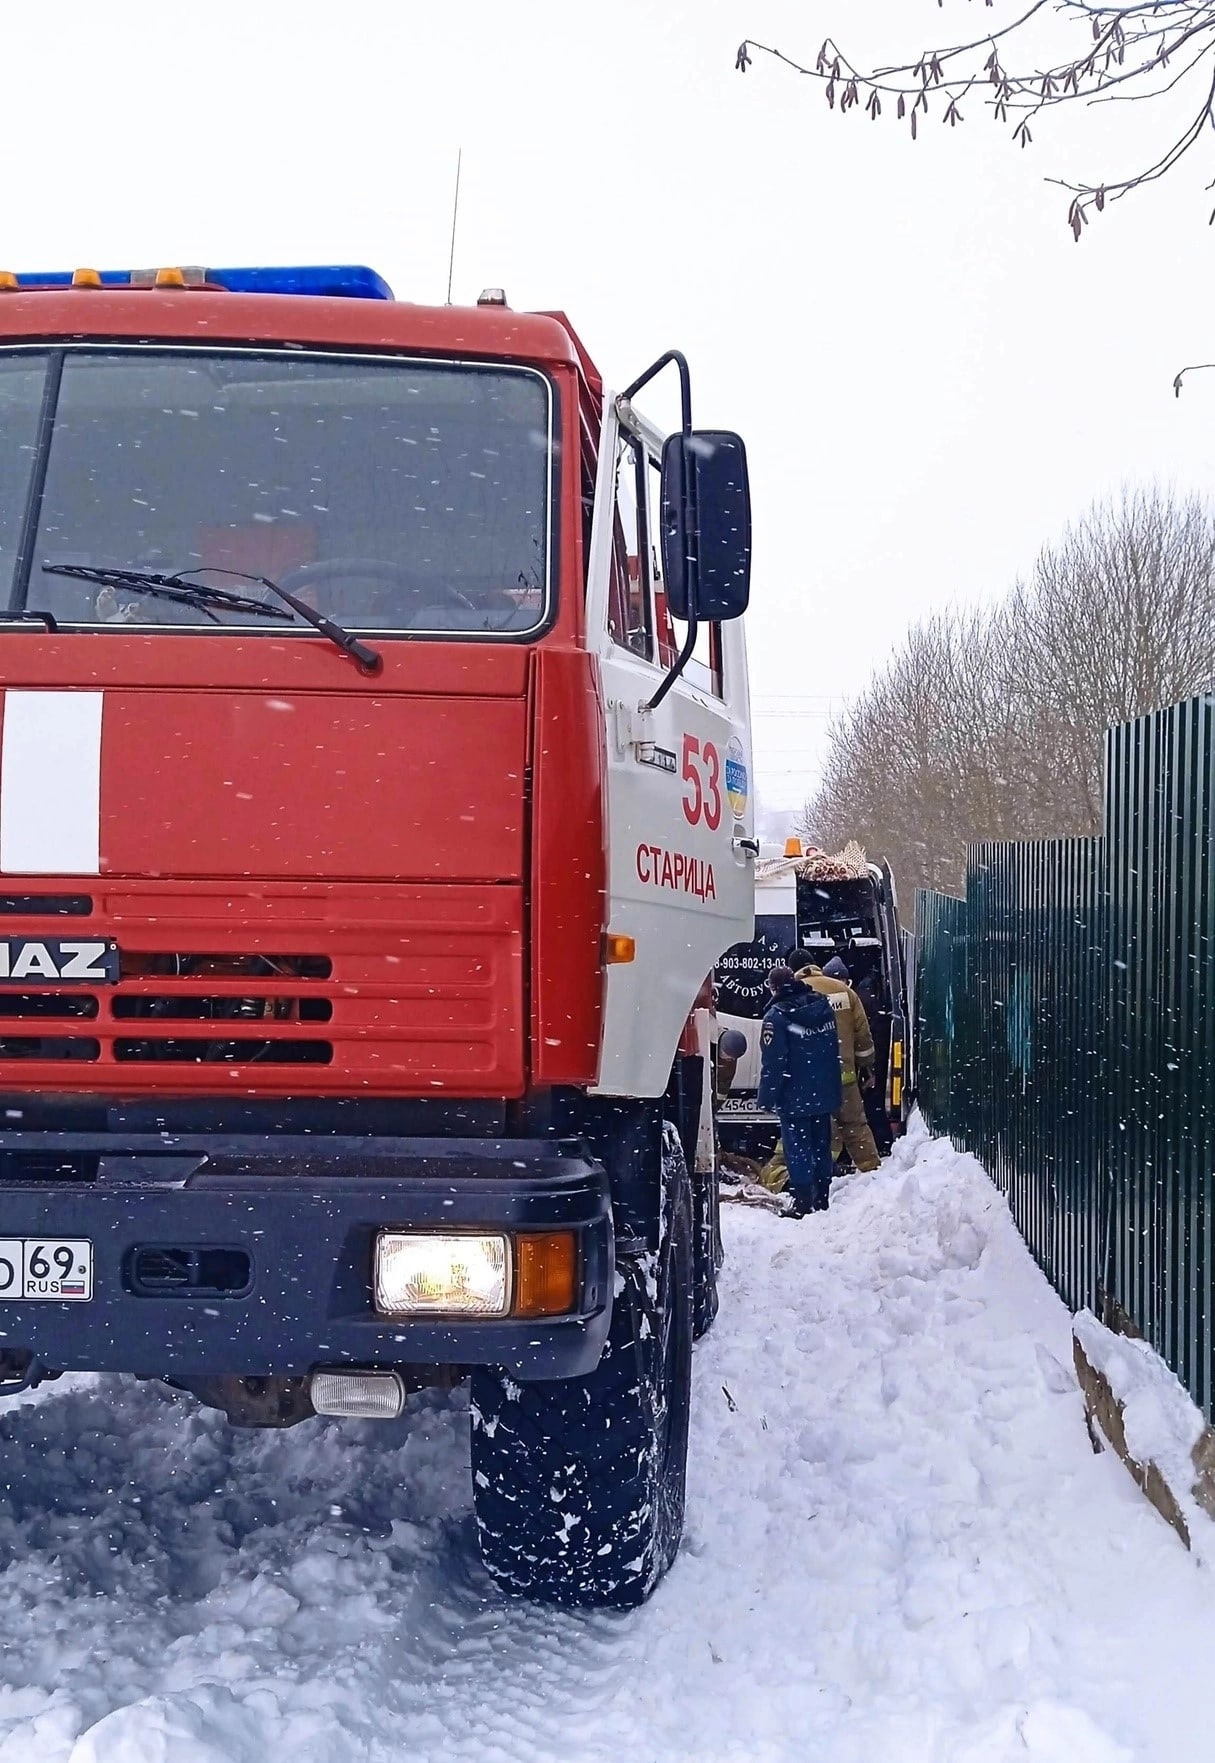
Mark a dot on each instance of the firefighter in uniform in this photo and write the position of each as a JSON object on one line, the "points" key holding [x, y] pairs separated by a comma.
{"points": [[849, 1127], [800, 1082]]}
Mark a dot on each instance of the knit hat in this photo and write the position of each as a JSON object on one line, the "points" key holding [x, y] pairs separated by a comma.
{"points": [[781, 979], [835, 969]]}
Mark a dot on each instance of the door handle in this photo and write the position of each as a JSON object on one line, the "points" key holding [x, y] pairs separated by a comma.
{"points": [[747, 847]]}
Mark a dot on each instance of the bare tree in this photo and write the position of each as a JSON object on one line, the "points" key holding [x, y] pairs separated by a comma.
{"points": [[1132, 50], [991, 725], [927, 732], [1118, 617]]}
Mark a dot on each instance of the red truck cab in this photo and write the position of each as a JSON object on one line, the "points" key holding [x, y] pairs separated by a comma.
{"points": [[317, 878]]}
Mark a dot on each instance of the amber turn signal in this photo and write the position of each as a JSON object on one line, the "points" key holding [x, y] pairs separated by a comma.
{"points": [[86, 278], [546, 1269], [617, 948]]}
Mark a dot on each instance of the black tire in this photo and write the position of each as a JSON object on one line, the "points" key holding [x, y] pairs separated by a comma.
{"points": [[579, 1484]]}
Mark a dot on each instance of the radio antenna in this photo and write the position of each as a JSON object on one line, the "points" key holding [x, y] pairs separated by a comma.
{"points": [[455, 214]]}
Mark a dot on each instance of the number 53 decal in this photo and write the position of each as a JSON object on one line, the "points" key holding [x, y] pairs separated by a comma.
{"points": [[702, 774]]}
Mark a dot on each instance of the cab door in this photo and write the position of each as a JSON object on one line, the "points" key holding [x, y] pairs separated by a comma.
{"points": [[680, 806]]}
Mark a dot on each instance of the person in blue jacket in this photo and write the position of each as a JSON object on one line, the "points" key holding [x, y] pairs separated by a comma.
{"points": [[799, 1081]]}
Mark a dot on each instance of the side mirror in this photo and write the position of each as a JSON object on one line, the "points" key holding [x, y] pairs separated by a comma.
{"points": [[706, 525]]}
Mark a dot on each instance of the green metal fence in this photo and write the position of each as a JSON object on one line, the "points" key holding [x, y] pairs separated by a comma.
{"points": [[941, 982], [1066, 1023]]}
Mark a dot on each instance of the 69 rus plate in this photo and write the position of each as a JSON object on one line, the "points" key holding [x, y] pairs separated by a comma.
{"points": [[33, 1267]]}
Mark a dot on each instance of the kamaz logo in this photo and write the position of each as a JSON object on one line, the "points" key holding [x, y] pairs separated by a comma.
{"points": [[57, 961]]}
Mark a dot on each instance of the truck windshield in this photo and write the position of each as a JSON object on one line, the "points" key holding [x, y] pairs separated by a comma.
{"points": [[390, 495]]}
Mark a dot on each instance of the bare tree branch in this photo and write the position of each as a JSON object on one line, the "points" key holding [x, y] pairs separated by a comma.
{"points": [[1131, 52]]}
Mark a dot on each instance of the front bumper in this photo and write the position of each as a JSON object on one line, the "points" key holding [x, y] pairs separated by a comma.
{"points": [[305, 1211]]}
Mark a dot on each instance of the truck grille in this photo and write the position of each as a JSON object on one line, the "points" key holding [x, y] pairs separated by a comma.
{"points": [[335, 989], [248, 1007], [44, 905]]}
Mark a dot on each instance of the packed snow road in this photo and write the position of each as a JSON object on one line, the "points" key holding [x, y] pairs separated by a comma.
{"points": [[899, 1546]]}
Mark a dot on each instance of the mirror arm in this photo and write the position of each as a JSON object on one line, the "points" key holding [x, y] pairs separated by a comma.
{"points": [[685, 384], [681, 661], [685, 400]]}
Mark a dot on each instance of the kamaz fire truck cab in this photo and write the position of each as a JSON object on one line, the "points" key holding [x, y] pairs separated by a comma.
{"points": [[374, 800]]}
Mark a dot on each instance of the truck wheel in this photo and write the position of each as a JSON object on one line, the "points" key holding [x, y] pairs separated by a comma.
{"points": [[578, 1484]]}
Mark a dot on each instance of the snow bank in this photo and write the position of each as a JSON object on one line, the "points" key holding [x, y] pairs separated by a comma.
{"points": [[1160, 1423], [900, 1546]]}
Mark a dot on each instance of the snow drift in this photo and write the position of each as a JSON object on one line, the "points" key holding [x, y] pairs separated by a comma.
{"points": [[900, 1546]]}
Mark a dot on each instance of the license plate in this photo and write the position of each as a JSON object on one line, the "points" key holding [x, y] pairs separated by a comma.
{"points": [[58, 961], [744, 1110], [36, 1267]]}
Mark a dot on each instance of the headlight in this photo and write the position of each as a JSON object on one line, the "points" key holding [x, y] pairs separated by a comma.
{"points": [[420, 1274]]}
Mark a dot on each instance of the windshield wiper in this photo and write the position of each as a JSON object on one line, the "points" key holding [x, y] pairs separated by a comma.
{"points": [[369, 660], [163, 587], [174, 587]]}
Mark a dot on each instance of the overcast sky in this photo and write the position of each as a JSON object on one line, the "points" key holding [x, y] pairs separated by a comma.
{"points": [[930, 376]]}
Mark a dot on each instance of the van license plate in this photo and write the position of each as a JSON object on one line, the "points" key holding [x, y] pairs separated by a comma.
{"points": [[37, 1267]]}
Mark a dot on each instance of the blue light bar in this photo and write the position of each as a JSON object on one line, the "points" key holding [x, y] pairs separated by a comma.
{"points": [[341, 281], [346, 281]]}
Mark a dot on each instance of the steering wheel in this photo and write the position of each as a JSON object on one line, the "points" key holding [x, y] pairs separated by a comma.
{"points": [[373, 569]]}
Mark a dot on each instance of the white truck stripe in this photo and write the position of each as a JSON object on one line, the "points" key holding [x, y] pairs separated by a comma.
{"points": [[50, 783]]}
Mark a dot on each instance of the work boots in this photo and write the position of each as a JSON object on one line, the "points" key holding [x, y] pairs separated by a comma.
{"points": [[804, 1201]]}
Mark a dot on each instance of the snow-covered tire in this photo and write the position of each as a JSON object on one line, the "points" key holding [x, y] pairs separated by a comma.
{"points": [[578, 1484]]}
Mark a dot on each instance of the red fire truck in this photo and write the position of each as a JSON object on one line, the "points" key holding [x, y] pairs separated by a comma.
{"points": [[374, 799]]}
